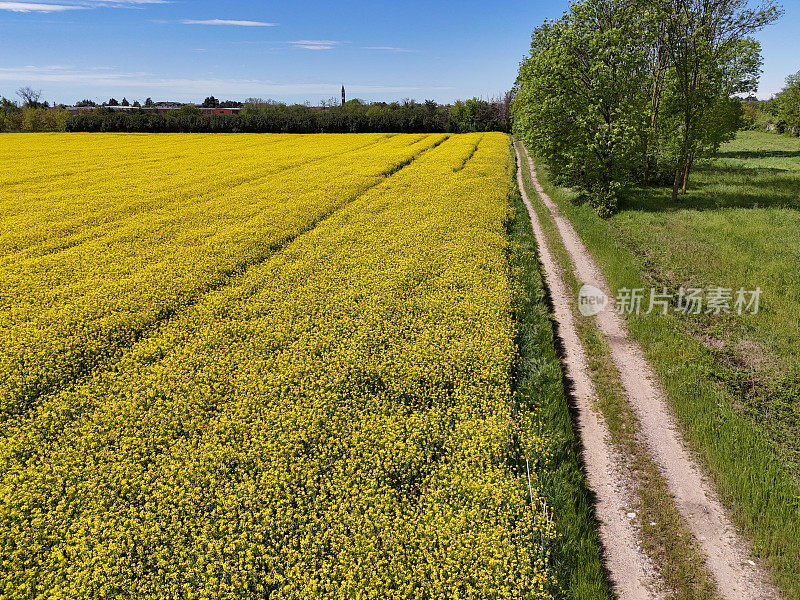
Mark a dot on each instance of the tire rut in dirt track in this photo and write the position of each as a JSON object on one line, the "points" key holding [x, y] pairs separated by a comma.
{"points": [[725, 552], [629, 568]]}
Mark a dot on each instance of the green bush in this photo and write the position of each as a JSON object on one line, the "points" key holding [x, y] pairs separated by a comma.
{"points": [[15, 118]]}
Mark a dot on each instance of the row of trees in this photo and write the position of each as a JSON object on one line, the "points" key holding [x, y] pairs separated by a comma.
{"points": [[273, 117], [635, 91], [30, 117], [212, 102], [780, 113], [209, 102], [86, 103]]}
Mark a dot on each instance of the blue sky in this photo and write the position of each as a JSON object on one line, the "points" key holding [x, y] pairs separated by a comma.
{"points": [[294, 51]]}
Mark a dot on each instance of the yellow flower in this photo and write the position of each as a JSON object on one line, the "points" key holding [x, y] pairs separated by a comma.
{"points": [[258, 366]]}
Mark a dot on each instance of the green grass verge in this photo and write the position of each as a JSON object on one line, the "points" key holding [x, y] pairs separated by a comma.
{"points": [[649, 243], [576, 553]]}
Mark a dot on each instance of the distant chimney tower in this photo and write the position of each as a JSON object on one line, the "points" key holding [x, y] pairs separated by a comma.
{"points": [[343, 98]]}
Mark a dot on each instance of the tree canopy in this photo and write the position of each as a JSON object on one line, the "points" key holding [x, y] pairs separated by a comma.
{"points": [[624, 91]]}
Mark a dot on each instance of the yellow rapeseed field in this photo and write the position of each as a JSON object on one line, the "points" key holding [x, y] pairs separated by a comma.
{"points": [[262, 366]]}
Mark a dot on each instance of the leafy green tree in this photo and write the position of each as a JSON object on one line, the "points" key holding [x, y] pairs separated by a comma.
{"points": [[787, 103], [188, 111], [626, 91], [582, 96], [10, 115], [711, 58]]}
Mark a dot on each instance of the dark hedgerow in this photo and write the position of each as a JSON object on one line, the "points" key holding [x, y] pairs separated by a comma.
{"points": [[354, 117]]}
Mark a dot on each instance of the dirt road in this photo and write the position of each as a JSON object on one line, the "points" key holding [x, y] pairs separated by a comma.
{"points": [[727, 556]]}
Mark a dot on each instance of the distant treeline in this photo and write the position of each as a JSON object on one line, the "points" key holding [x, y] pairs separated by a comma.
{"points": [[780, 113], [272, 117]]}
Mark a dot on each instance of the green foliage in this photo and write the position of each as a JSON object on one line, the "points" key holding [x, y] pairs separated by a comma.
{"points": [[355, 116], [788, 105], [751, 114], [30, 118], [582, 96], [186, 111], [780, 113], [710, 59], [624, 91]]}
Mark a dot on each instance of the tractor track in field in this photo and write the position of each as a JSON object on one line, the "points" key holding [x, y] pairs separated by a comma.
{"points": [[725, 552], [226, 278], [105, 228]]}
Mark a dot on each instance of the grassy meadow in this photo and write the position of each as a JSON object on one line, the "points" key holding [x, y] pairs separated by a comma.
{"points": [[733, 380], [738, 227]]}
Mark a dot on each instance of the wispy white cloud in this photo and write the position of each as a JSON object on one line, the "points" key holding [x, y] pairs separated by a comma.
{"points": [[228, 22], [389, 49], [315, 44], [107, 80], [24, 7], [40, 7], [119, 3]]}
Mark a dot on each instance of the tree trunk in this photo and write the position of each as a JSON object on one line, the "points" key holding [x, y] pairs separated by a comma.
{"points": [[655, 101], [676, 186], [687, 168], [680, 169]]}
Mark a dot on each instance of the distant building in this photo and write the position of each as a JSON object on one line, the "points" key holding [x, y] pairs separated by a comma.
{"points": [[220, 111], [343, 98]]}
